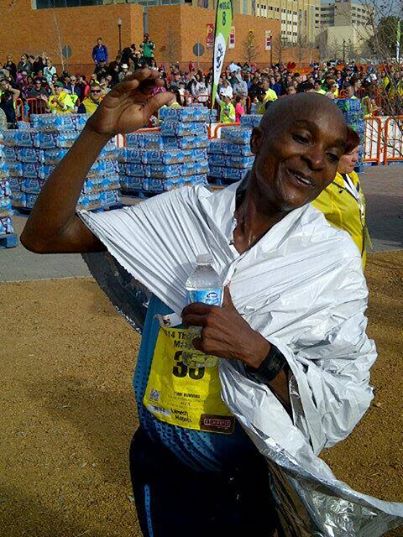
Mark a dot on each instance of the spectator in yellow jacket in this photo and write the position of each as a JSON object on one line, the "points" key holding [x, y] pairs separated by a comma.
{"points": [[91, 103], [60, 102], [343, 201]]}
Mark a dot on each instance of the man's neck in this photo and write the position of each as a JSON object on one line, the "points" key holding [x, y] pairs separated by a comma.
{"points": [[255, 216]]}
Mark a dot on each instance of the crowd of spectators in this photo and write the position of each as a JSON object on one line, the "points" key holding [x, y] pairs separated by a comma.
{"points": [[34, 85]]}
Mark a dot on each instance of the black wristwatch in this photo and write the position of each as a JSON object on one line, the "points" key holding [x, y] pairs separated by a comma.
{"points": [[269, 368]]}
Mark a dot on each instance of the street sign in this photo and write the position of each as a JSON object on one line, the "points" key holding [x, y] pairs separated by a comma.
{"points": [[198, 49], [67, 52]]}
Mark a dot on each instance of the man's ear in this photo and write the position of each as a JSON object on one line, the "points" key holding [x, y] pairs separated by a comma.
{"points": [[256, 140]]}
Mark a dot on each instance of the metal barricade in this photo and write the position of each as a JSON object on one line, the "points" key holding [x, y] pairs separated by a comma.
{"points": [[393, 140], [373, 141]]}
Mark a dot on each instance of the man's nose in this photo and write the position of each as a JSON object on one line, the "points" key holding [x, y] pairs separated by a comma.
{"points": [[315, 157]]}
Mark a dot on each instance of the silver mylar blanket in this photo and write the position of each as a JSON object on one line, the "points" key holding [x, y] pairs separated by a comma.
{"points": [[301, 286]]}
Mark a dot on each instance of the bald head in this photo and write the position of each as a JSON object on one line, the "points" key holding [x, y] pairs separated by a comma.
{"points": [[302, 106], [298, 145]]}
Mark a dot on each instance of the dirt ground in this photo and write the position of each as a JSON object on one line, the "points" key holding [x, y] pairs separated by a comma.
{"points": [[67, 410]]}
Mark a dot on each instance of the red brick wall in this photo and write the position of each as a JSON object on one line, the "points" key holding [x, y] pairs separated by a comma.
{"points": [[24, 29], [176, 29]]}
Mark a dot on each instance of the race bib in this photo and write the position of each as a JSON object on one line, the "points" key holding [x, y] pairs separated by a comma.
{"points": [[177, 394]]}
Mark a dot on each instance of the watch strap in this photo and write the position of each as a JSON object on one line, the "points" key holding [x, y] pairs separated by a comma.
{"points": [[269, 368]]}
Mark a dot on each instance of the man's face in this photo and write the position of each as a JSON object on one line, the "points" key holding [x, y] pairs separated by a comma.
{"points": [[58, 90], [73, 80], [297, 158], [99, 41], [95, 93], [350, 92], [37, 84]]}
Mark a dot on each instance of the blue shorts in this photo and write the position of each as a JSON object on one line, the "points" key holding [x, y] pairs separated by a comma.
{"points": [[173, 500]]}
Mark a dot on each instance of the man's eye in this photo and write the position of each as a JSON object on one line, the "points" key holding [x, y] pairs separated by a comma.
{"points": [[332, 157], [300, 138]]}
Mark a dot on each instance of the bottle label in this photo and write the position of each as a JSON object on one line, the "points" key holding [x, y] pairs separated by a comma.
{"points": [[212, 297]]}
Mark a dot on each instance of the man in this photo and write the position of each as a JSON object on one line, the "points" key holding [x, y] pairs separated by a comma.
{"points": [[60, 102], [11, 67], [278, 86], [91, 103], [147, 49], [8, 97], [227, 109], [101, 70], [318, 88], [240, 87], [73, 88], [270, 95], [124, 71], [292, 279], [100, 52], [350, 92], [41, 95]]}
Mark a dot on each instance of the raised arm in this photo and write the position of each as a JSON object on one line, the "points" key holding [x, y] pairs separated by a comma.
{"points": [[53, 225]]}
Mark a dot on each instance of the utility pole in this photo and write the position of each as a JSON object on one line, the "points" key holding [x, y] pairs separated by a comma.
{"points": [[120, 34], [344, 51]]}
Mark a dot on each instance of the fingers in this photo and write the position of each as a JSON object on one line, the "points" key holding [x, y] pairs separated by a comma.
{"points": [[227, 299], [197, 343], [194, 320], [197, 308], [135, 80], [157, 101]]}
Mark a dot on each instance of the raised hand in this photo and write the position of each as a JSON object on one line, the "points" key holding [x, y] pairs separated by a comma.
{"points": [[129, 105], [225, 333]]}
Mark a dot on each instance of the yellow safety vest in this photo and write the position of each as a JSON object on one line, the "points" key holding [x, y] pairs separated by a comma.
{"points": [[61, 104], [89, 105], [343, 205]]}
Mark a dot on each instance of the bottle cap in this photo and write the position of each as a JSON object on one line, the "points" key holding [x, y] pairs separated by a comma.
{"points": [[204, 259]]}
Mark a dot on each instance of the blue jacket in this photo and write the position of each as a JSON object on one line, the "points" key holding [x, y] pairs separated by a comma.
{"points": [[100, 54]]}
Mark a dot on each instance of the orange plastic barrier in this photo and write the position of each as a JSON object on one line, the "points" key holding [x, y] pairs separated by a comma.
{"points": [[36, 106], [19, 109], [373, 140], [393, 140], [214, 129]]}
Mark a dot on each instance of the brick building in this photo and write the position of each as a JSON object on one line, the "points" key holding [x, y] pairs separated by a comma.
{"points": [[175, 29]]}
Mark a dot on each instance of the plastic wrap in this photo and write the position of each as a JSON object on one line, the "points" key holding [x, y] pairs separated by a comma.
{"points": [[301, 286]]}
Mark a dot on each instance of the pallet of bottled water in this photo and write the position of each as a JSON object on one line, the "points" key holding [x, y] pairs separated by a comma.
{"points": [[176, 156], [32, 152]]}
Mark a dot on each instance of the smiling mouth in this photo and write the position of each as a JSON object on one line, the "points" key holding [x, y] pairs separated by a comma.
{"points": [[301, 178]]}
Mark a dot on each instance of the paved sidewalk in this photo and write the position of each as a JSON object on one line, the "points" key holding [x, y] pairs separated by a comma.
{"points": [[383, 188]]}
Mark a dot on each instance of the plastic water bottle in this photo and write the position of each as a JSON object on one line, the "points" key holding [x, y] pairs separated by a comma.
{"points": [[203, 285]]}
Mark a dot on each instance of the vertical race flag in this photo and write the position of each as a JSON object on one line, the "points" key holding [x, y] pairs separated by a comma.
{"points": [[223, 24]]}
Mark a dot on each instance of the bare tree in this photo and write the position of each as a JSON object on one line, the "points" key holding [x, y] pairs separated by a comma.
{"points": [[382, 45], [171, 49], [251, 49]]}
